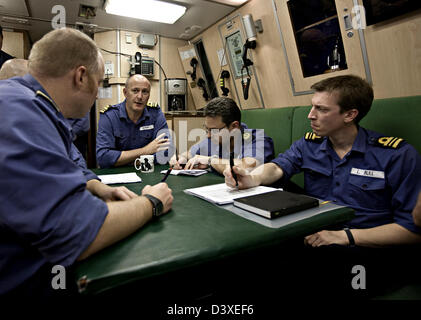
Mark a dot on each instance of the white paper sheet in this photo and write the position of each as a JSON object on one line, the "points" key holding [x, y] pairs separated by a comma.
{"points": [[222, 194], [193, 172], [120, 178]]}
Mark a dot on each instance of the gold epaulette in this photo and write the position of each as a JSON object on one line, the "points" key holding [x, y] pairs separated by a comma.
{"points": [[389, 142], [153, 104], [105, 108], [310, 136], [246, 136]]}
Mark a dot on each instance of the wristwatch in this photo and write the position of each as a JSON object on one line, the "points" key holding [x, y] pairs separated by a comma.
{"points": [[157, 206], [350, 237], [210, 159]]}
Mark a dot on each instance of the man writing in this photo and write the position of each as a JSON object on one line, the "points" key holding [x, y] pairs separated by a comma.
{"points": [[65, 219], [132, 128], [379, 177], [226, 134]]}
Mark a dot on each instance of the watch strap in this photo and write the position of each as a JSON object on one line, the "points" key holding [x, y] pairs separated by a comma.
{"points": [[157, 206], [350, 237]]}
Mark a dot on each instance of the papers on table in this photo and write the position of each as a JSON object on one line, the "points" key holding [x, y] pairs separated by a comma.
{"points": [[120, 178], [222, 194], [193, 172]]}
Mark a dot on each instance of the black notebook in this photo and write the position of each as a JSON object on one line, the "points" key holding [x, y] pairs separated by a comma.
{"points": [[276, 203]]}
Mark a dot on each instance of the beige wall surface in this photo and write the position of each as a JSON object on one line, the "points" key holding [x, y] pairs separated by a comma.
{"points": [[14, 44], [394, 55]]}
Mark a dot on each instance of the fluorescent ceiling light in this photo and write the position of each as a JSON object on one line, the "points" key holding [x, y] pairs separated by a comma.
{"points": [[150, 10]]}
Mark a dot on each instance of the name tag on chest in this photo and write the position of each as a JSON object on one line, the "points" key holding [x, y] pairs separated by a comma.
{"points": [[150, 127], [368, 173]]}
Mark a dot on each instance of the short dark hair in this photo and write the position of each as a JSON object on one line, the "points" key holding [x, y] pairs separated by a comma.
{"points": [[224, 107], [353, 93]]}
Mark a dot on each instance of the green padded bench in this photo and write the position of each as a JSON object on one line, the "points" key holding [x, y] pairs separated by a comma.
{"points": [[393, 116]]}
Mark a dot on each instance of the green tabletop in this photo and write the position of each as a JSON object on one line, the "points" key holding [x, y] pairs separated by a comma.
{"points": [[194, 232]]}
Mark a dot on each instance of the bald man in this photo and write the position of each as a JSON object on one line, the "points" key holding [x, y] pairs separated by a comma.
{"points": [[14, 68], [132, 128]]}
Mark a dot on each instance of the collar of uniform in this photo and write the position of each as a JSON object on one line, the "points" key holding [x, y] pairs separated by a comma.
{"points": [[123, 113], [36, 86], [360, 143]]}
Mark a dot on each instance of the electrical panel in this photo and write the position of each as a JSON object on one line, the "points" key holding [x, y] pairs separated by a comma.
{"points": [[145, 40], [147, 66]]}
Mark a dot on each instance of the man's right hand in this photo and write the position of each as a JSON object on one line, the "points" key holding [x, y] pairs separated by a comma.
{"points": [[244, 178], [158, 144], [162, 192], [177, 164]]}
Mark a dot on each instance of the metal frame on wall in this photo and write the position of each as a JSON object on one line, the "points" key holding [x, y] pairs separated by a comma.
{"points": [[291, 79], [223, 39]]}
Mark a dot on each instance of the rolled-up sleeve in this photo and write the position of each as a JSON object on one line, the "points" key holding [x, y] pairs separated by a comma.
{"points": [[106, 152], [44, 198], [291, 160]]}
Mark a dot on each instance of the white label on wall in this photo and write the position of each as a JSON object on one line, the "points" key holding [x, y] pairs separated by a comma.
{"points": [[187, 54], [105, 93], [222, 57], [108, 68]]}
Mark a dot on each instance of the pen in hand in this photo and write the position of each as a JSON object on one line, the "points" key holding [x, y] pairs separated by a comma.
{"points": [[232, 171], [166, 175]]}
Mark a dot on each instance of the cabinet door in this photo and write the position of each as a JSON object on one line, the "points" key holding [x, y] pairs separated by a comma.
{"points": [[293, 34]]}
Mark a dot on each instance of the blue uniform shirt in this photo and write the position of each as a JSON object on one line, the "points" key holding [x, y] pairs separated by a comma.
{"points": [[117, 133], [380, 183], [254, 144], [46, 214]]}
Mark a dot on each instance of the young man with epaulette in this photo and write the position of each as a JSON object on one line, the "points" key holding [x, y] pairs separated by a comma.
{"points": [[226, 134], [131, 128], [379, 177]]}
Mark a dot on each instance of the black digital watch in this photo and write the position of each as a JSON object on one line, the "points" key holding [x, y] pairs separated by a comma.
{"points": [[157, 206]]}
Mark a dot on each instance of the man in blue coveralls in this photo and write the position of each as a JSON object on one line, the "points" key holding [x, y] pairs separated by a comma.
{"points": [[250, 147], [131, 128], [50, 214], [379, 177]]}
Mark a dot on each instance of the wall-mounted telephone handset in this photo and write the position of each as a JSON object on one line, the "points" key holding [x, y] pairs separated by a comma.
{"points": [[202, 84], [142, 65], [224, 75], [193, 63]]}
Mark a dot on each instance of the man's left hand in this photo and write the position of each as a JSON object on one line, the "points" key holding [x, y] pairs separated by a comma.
{"points": [[325, 237]]}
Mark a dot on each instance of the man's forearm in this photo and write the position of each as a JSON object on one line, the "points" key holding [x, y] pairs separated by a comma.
{"points": [[124, 217], [267, 174], [128, 156], [385, 235]]}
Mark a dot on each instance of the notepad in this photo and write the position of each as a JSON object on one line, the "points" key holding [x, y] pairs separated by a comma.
{"points": [[193, 172], [131, 177], [222, 194], [275, 204]]}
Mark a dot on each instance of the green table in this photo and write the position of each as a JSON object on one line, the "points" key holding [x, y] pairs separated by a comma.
{"points": [[193, 234]]}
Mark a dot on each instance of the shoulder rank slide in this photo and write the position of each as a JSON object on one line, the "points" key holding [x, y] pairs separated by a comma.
{"points": [[153, 104], [310, 136], [246, 136], [389, 142], [104, 109]]}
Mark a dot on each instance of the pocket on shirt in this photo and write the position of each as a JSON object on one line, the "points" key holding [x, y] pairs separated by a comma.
{"points": [[120, 141], [368, 192], [317, 182]]}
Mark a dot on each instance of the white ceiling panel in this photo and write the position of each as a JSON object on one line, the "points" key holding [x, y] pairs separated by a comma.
{"points": [[200, 14]]}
